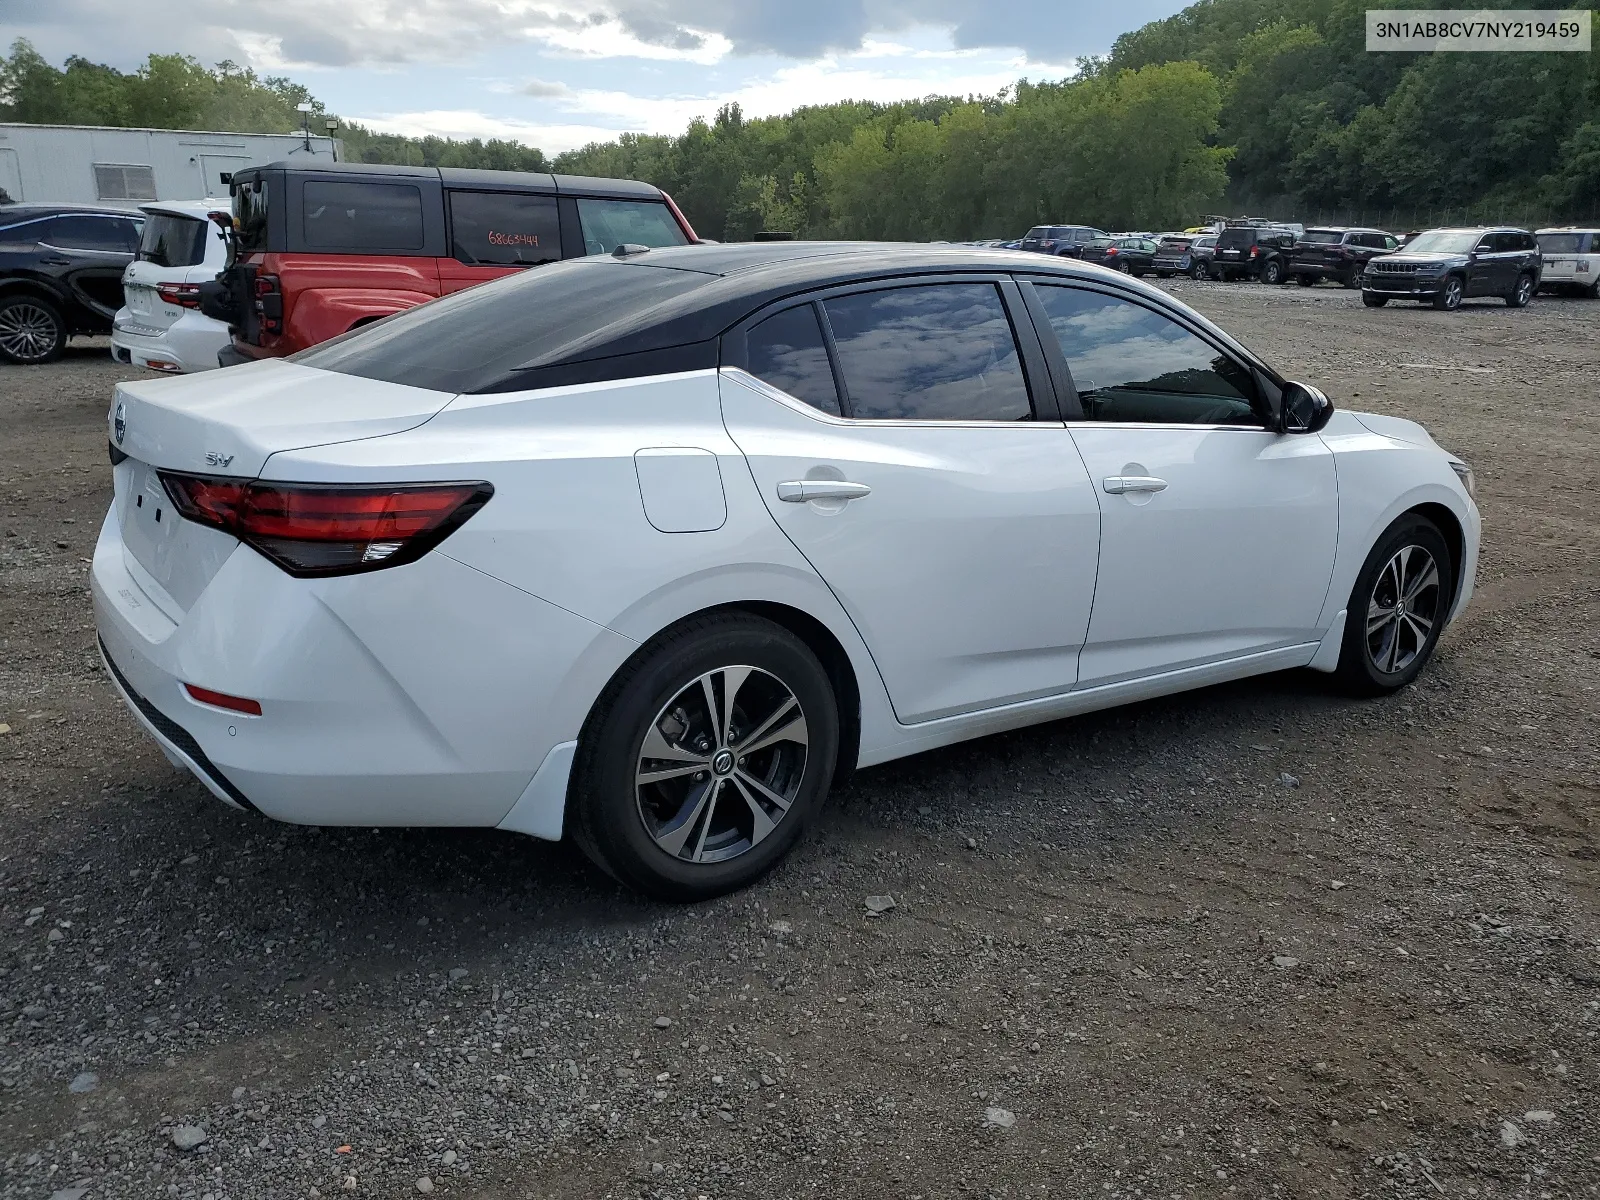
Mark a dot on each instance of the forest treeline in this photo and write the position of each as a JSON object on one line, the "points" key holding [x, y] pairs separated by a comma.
{"points": [[1238, 104]]}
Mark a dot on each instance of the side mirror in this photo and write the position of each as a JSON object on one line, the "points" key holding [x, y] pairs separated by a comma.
{"points": [[1303, 409]]}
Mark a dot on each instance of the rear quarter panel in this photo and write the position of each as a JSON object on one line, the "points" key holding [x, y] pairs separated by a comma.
{"points": [[568, 523]]}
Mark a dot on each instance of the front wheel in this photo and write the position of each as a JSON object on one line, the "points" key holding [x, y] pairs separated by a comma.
{"points": [[1305, 280], [1523, 292], [702, 763], [1397, 608], [1353, 280], [1372, 301], [32, 330], [1448, 297]]}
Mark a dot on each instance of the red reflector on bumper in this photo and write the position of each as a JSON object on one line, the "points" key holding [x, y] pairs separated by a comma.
{"points": [[250, 708]]}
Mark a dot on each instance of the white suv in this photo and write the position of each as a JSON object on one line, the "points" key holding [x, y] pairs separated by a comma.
{"points": [[160, 325], [1571, 260]]}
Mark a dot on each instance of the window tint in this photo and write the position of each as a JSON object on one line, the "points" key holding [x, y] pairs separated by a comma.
{"points": [[942, 352], [482, 337], [250, 215], [1560, 243], [1130, 363], [608, 224], [104, 235], [169, 240], [788, 352], [503, 228], [362, 216], [1526, 241]]}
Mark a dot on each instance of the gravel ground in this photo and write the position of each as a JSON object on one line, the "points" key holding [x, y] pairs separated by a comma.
{"points": [[1255, 941]]}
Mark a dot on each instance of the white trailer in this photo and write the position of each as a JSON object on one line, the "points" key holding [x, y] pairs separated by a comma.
{"points": [[97, 164]]}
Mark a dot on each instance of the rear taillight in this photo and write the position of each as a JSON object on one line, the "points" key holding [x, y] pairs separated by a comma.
{"points": [[327, 529], [1110, 250], [268, 303], [1254, 250], [184, 295]]}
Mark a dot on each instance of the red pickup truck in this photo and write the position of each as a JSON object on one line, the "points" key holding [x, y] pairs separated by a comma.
{"points": [[322, 249]]}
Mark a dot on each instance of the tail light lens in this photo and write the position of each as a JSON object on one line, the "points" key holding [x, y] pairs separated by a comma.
{"points": [[268, 303], [313, 529], [1254, 250], [1111, 251], [184, 295]]}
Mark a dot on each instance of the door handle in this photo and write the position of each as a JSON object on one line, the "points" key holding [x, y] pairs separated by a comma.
{"points": [[1120, 485], [56, 261], [802, 491]]}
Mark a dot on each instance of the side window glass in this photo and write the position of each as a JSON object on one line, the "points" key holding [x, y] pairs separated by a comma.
{"points": [[608, 224], [1487, 244], [503, 229], [362, 216], [934, 352], [1130, 363], [1390, 242], [99, 235], [787, 350]]}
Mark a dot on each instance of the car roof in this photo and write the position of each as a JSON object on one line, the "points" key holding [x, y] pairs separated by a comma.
{"points": [[187, 208], [466, 177], [1569, 229], [12, 214]]}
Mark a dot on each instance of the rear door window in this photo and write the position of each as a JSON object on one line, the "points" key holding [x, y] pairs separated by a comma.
{"points": [[608, 224], [505, 229], [170, 240], [929, 352], [789, 352], [362, 216], [101, 235], [250, 215]]}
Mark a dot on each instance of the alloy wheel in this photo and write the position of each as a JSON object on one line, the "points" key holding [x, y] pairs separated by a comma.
{"points": [[28, 331], [1403, 609], [1524, 290], [721, 764], [1452, 293]]}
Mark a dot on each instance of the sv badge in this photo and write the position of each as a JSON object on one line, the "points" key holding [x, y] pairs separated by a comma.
{"points": [[213, 459]]}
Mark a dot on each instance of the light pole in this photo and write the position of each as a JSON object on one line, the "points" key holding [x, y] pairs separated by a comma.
{"points": [[305, 122]]}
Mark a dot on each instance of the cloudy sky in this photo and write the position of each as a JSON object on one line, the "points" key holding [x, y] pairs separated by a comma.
{"points": [[559, 73]]}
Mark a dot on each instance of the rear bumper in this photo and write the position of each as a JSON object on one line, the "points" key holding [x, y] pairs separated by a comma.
{"points": [[189, 344], [428, 694]]}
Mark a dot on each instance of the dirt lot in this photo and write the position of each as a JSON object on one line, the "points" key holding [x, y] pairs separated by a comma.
{"points": [[1254, 941]]}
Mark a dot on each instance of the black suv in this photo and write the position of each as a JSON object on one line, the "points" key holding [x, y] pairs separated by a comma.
{"points": [[1335, 252], [60, 273], [1253, 252], [1065, 240], [1445, 266]]}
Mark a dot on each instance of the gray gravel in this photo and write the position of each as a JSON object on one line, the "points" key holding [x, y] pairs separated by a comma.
{"points": [[1124, 957]]}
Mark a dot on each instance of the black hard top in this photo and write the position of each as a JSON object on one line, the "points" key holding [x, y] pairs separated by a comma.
{"points": [[464, 177]]}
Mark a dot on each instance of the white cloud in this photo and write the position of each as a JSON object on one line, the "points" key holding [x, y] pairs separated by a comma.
{"points": [[468, 123]]}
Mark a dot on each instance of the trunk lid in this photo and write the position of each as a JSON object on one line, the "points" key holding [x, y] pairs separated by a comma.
{"points": [[229, 422]]}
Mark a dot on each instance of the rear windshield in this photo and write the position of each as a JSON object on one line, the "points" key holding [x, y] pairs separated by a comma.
{"points": [[472, 339], [1323, 237], [1038, 231], [1562, 243], [169, 240], [1237, 237]]}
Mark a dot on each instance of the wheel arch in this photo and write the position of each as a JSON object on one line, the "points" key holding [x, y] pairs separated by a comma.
{"points": [[817, 638], [1454, 536], [36, 287]]}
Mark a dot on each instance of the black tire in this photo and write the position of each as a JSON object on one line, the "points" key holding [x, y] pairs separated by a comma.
{"points": [[1197, 271], [32, 330], [1305, 280], [1353, 279], [610, 807], [1372, 301], [1448, 297], [1523, 293], [1163, 274], [1272, 271], [1124, 266], [1385, 657]]}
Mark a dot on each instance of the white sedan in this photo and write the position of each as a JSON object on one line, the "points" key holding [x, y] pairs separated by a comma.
{"points": [[654, 548]]}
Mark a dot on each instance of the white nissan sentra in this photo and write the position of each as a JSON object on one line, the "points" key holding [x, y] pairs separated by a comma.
{"points": [[655, 548]]}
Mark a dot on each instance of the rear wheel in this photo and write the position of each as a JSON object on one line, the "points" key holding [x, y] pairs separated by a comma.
{"points": [[31, 330], [1397, 608], [1272, 271], [1592, 291], [1124, 266], [1522, 293], [703, 762], [1448, 297]]}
